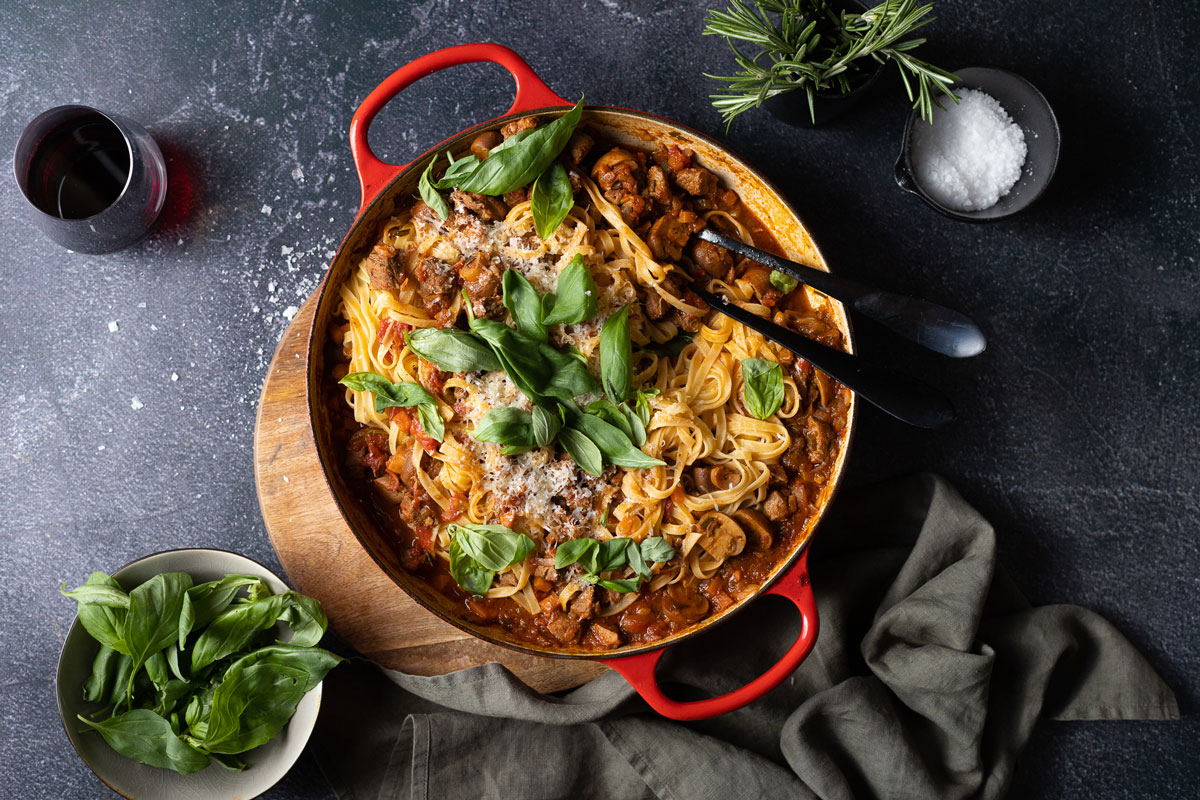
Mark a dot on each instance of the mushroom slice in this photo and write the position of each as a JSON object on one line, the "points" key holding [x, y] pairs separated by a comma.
{"points": [[720, 536], [756, 526]]}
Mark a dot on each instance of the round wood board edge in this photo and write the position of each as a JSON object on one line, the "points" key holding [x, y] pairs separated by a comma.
{"points": [[323, 558]]}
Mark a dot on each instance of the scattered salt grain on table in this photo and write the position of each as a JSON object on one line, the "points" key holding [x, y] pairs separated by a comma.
{"points": [[971, 155]]}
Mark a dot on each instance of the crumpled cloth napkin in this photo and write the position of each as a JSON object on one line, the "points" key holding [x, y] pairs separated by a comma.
{"points": [[927, 678]]}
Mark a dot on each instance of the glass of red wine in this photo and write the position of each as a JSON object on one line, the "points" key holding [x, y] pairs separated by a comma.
{"points": [[97, 182]]}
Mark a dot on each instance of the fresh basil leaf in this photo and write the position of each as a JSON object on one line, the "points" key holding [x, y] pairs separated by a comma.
{"points": [[156, 669], [616, 357], [456, 170], [520, 356], [612, 553], [574, 550], [523, 304], [582, 449], [234, 628], [604, 517], [105, 594], [637, 562], [229, 762], [172, 656], [431, 420], [577, 298], [169, 695], [642, 405], [783, 283], [197, 712], [657, 549], [466, 572], [105, 667], [388, 394], [624, 586], [570, 377], [106, 623], [403, 394], [520, 158], [551, 199], [615, 445], [251, 704], [452, 350], [762, 386], [205, 601], [493, 547], [637, 429], [430, 195], [546, 426], [506, 426], [305, 616], [671, 347], [147, 738], [153, 619], [611, 413]]}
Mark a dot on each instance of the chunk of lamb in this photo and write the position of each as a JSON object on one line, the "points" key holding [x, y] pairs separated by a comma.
{"points": [[438, 284], [696, 181], [562, 626], [481, 277], [619, 176], [657, 187], [579, 146], [488, 209], [482, 144], [713, 259], [368, 449], [384, 267], [604, 636], [775, 507], [518, 125], [672, 159], [584, 604]]}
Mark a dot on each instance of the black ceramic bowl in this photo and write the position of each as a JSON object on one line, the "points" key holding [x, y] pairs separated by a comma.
{"points": [[1029, 109]]}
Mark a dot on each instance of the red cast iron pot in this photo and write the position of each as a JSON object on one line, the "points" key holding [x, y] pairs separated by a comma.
{"points": [[389, 187]]}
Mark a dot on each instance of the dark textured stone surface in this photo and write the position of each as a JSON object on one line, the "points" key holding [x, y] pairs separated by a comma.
{"points": [[1077, 431]]}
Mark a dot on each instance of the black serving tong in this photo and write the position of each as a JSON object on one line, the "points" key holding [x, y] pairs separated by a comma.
{"points": [[904, 398], [934, 327]]}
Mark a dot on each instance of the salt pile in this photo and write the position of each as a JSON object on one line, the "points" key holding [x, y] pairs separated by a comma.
{"points": [[971, 155]]}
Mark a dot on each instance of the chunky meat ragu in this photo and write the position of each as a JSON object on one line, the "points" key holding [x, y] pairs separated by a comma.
{"points": [[619, 174], [481, 277], [517, 125], [385, 268], [438, 286], [487, 208]]}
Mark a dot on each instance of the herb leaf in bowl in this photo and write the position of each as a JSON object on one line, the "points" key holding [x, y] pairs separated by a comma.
{"points": [[187, 674]]}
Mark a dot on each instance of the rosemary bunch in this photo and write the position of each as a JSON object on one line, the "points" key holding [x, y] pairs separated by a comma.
{"points": [[805, 44]]}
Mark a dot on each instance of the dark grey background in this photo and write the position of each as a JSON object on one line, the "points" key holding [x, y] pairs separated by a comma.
{"points": [[1077, 436]]}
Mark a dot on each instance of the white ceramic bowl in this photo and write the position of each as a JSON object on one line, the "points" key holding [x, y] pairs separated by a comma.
{"points": [[265, 765]]}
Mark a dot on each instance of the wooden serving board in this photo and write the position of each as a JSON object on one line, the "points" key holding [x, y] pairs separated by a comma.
{"points": [[323, 558]]}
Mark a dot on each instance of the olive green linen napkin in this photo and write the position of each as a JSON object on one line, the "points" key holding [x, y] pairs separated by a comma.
{"points": [[927, 678]]}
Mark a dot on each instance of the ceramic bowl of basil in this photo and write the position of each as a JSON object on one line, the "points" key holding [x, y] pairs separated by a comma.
{"points": [[221, 582]]}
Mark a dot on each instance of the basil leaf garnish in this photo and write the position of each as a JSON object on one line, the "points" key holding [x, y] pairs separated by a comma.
{"points": [[493, 547], [510, 427], [570, 377], [581, 448], [467, 573], [624, 586], [546, 426], [404, 395], [614, 444], [611, 413], [616, 357], [574, 550], [783, 283], [637, 428], [611, 554], [656, 548], [671, 347], [551, 199], [762, 382], [452, 350], [577, 298], [430, 195], [523, 304], [517, 160], [456, 170]]}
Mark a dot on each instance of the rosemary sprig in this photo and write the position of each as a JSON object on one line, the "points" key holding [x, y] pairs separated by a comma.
{"points": [[804, 44]]}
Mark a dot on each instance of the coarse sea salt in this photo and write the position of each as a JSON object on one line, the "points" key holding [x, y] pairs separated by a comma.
{"points": [[971, 155]]}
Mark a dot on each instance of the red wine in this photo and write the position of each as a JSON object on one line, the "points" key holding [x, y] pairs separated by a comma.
{"points": [[79, 168]]}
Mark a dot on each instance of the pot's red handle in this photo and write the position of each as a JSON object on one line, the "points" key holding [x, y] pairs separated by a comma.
{"points": [[374, 174], [639, 669]]}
